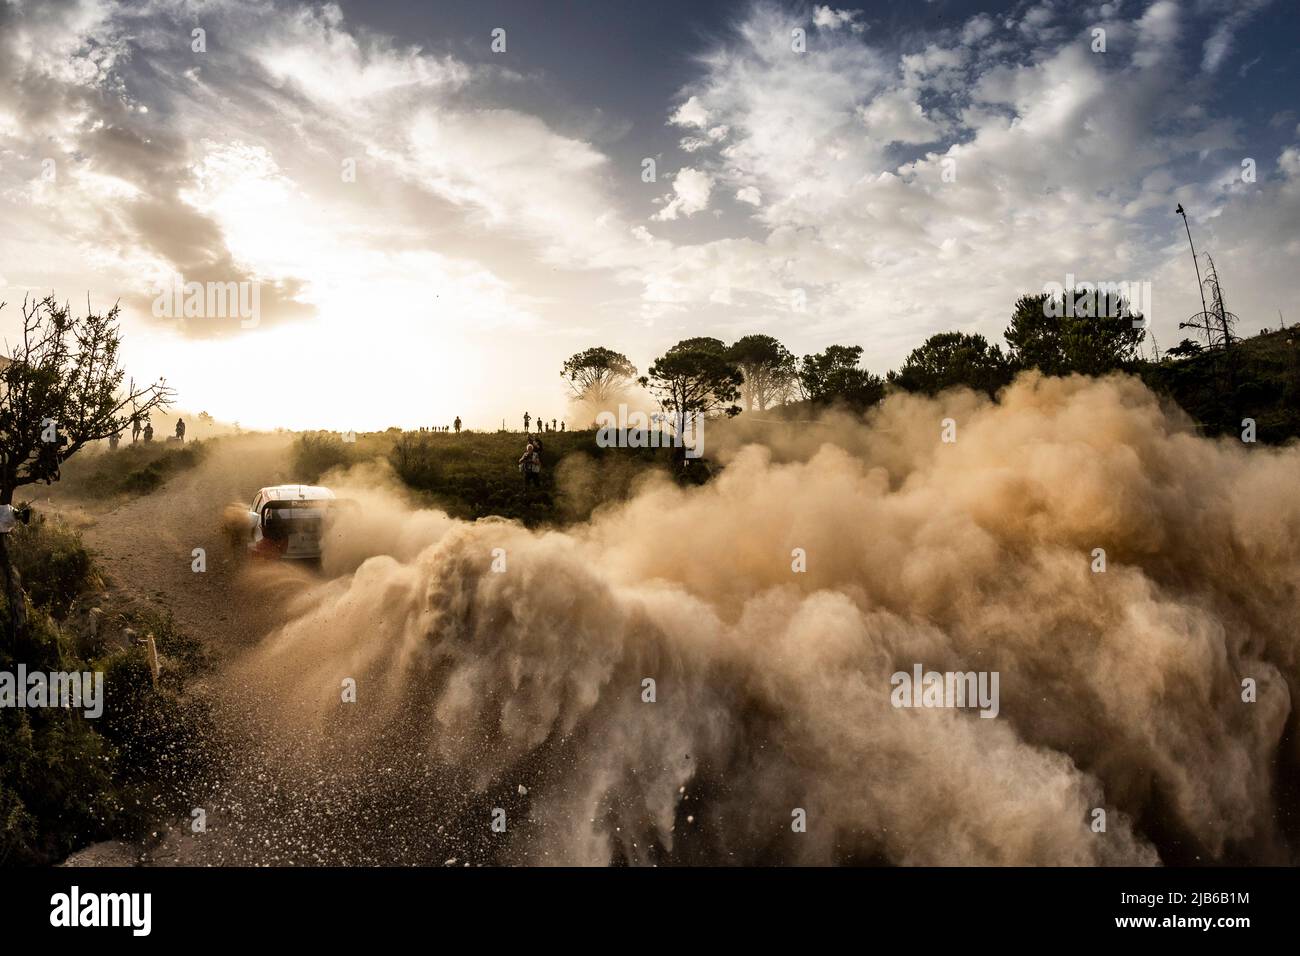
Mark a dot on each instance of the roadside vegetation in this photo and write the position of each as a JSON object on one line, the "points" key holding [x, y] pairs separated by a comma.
{"points": [[69, 776], [473, 474], [128, 470], [67, 779]]}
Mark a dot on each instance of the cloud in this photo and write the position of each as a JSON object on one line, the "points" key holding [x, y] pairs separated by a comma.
{"points": [[896, 117], [1039, 150], [824, 18], [1158, 31], [690, 113], [1229, 18], [976, 29], [691, 189], [310, 120], [349, 172]]}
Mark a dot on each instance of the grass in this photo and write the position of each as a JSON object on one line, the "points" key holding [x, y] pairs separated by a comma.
{"points": [[129, 470], [475, 474], [1257, 378]]}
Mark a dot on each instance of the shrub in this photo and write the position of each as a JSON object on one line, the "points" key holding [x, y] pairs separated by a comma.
{"points": [[54, 564], [315, 453], [129, 470]]}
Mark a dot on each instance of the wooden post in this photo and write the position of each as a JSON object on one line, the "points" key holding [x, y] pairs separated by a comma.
{"points": [[152, 649]]}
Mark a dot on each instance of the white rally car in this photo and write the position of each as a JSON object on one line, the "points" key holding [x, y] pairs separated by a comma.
{"points": [[287, 521]]}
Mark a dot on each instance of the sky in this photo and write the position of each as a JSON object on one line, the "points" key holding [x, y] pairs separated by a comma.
{"points": [[436, 203]]}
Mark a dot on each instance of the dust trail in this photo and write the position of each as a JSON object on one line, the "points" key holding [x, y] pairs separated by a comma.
{"points": [[1121, 690]]}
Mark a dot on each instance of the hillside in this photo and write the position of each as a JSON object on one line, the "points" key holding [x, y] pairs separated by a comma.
{"points": [[474, 474], [1257, 378]]}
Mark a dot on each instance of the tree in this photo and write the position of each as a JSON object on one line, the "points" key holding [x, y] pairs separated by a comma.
{"points": [[598, 375], [1185, 349], [60, 390], [834, 376], [950, 359], [1081, 331], [695, 376], [768, 368]]}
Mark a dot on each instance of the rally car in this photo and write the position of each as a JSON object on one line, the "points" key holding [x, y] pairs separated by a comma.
{"points": [[287, 521]]}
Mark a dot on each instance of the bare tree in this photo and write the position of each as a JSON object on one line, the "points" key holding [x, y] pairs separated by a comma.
{"points": [[60, 390]]}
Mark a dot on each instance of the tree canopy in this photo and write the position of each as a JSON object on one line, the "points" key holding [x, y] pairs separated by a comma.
{"points": [[769, 370], [950, 359], [695, 376], [833, 375], [598, 374], [1078, 332]]}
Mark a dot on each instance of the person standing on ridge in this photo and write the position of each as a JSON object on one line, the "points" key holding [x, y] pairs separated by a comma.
{"points": [[456, 424]]}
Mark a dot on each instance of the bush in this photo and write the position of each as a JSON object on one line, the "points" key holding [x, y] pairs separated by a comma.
{"points": [[129, 470], [56, 786], [54, 564], [66, 779], [414, 461], [315, 453]]}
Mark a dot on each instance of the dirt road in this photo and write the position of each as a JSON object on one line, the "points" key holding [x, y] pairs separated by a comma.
{"points": [[145, 549], [145, 546]]}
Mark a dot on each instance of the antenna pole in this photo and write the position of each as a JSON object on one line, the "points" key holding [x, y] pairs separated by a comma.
{"points": [[1195, 262]]}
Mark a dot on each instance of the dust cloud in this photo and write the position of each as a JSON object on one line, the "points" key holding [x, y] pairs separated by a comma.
{"points": [[522, 688]]}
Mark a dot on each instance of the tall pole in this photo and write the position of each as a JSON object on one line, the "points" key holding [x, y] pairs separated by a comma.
{"points": [[1200, 288]]}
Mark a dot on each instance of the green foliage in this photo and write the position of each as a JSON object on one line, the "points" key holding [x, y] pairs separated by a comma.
{"points": [[950, 359], [54, 564], [56, 789], [768, 368], [833, 377], [66, 779], [134, 470], [64, 374], [695, 376], [315, 453], [1059, 337], [1257, 378], [474, 474], [415, 461]]}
